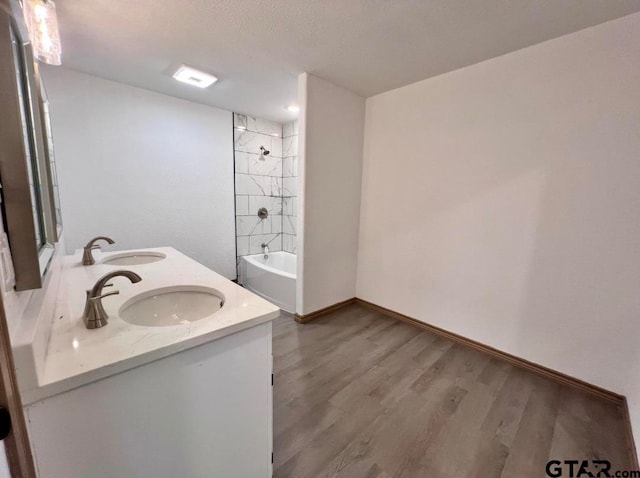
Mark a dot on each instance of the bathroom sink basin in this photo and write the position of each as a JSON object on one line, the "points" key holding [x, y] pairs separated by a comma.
{"points": [[172, 306], [133, 258]]}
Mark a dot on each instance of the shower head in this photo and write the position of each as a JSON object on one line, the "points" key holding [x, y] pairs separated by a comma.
{"points": [[264, 151]]}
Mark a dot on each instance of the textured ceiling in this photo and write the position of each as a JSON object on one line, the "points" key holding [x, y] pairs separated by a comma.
{"points": [[258, 47]]}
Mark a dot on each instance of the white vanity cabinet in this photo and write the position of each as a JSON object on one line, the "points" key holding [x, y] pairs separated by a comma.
{"points": [[203, 412]]}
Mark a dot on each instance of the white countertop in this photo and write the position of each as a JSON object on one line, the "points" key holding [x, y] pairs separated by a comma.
{"points": [[77, 355]]}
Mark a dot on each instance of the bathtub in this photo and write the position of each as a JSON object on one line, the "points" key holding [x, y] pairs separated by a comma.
{"points": [[273, 278]]}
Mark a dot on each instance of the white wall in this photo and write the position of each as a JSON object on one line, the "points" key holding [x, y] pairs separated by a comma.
{"points": [[330, 169], [502, 202], [143, 168]]}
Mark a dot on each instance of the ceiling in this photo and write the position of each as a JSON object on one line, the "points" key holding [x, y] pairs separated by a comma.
{"points": [[258, 47]]}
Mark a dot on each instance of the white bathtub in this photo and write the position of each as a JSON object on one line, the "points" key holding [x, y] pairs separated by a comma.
{"points": [[273, 278]]}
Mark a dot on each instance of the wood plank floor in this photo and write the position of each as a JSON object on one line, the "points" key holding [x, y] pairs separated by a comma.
{"points": [[359, 395]]}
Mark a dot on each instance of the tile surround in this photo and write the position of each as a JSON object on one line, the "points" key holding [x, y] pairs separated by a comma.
{"points": [[265, 181], [289, 186]]}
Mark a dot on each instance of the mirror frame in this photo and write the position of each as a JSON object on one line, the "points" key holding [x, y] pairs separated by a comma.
{"points": [[30, 262]]}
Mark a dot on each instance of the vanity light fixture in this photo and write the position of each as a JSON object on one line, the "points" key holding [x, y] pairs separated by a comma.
{"points": [[293, 108], [42, 23], [194, 77]]}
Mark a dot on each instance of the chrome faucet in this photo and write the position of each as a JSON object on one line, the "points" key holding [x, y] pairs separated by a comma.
{"points": [[87, 256], [265, 249], [94, 315]]}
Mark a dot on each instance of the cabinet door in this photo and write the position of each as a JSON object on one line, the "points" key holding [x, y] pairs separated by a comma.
{"points": [[201, 413]]}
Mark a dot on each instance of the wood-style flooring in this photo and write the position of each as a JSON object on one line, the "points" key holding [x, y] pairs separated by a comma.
{"points": [[360, 395]]}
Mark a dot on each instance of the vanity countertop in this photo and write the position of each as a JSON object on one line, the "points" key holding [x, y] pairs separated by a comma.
{"points": [[77, 355]]}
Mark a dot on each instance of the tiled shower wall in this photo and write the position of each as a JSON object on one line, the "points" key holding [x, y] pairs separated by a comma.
{"points": [[265, 181], [258, 184], [289, 185]]}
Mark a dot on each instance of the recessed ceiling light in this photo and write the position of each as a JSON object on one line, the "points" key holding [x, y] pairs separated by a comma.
{"points": [[293, 108], [194, 77]]}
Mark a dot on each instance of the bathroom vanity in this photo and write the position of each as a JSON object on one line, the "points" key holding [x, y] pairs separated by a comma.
{"points": [[152, 394]]}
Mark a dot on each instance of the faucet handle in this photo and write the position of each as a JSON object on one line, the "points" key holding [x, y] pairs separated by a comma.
{"points": [[113, 292]]}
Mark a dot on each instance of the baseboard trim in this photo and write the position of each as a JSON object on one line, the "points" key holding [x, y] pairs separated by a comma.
{"points": [[512, 359], [631, 443], [559, 377], [306, 318]]}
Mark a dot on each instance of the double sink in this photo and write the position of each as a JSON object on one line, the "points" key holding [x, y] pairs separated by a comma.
{"points": [[167, 306]]}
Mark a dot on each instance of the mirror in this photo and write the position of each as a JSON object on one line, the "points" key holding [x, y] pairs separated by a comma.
{"points": [[51, 159], [28, 197]]}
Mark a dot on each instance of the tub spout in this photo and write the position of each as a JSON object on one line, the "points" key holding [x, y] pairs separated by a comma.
{"points": [[265, 250]]}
